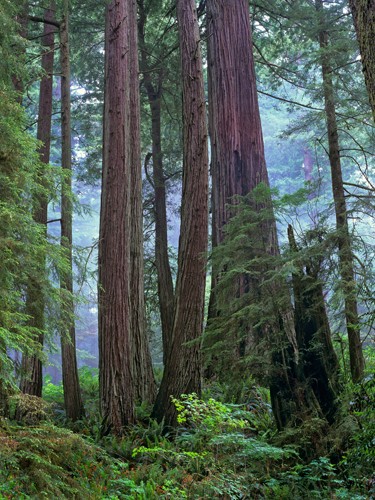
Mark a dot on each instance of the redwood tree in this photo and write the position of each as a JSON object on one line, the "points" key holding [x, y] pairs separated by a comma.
{"points": [[125, 371], [238, 166], [182, 364], [363, 12], [115, 347], [237, 151], [142, 365]]}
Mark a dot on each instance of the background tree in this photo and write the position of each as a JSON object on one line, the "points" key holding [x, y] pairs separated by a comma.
{"points": [[72, 394], [344, 243], [31, 369], [153, 82]]}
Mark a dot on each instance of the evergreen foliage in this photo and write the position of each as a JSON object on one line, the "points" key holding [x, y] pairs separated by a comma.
{"points": [[226, 442]]}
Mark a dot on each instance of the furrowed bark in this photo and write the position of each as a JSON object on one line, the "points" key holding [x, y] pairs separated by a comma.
{"points": [[363, 12], [116, 377], [143, 374], [182, 372]]}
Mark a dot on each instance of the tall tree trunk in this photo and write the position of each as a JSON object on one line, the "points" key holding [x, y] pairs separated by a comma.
{"points": [[72, 394], [363, 12], [116, 383], [165, 281], [182, 366], [344, 242], [145, 386], [238, 166], [31, 368], [237, 151]]}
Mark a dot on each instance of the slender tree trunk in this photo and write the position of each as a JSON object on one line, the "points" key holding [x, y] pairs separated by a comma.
{"points": [[165, 281], [308, 165], [145, 386], [183, 364], [4, 390], [116, 382], [72, 394], [363, 12], [344, 243], [31, 368]]}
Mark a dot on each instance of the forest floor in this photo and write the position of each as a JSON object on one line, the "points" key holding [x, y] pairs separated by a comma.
{"points": [[219, 450]]}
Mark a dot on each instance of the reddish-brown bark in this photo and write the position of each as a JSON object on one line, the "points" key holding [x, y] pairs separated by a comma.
{"points": [[182, 365], [238, 166], [115, 373], [143, 374], [363, 12], [237, 150], [117, 356]]}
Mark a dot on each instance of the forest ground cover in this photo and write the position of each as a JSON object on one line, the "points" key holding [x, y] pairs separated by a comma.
{"points": [[219, 450]]}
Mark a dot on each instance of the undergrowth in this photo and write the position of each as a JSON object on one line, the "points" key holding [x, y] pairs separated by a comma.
{"points": [[219, 450]]}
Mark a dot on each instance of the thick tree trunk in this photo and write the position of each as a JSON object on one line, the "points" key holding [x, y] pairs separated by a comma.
{"points": [[364, 21], [237, 151], [142, 365], [116, 382], [165, 281], [182, 366], [344, 243], [238, 166], [31, 368], [72, 394]]}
